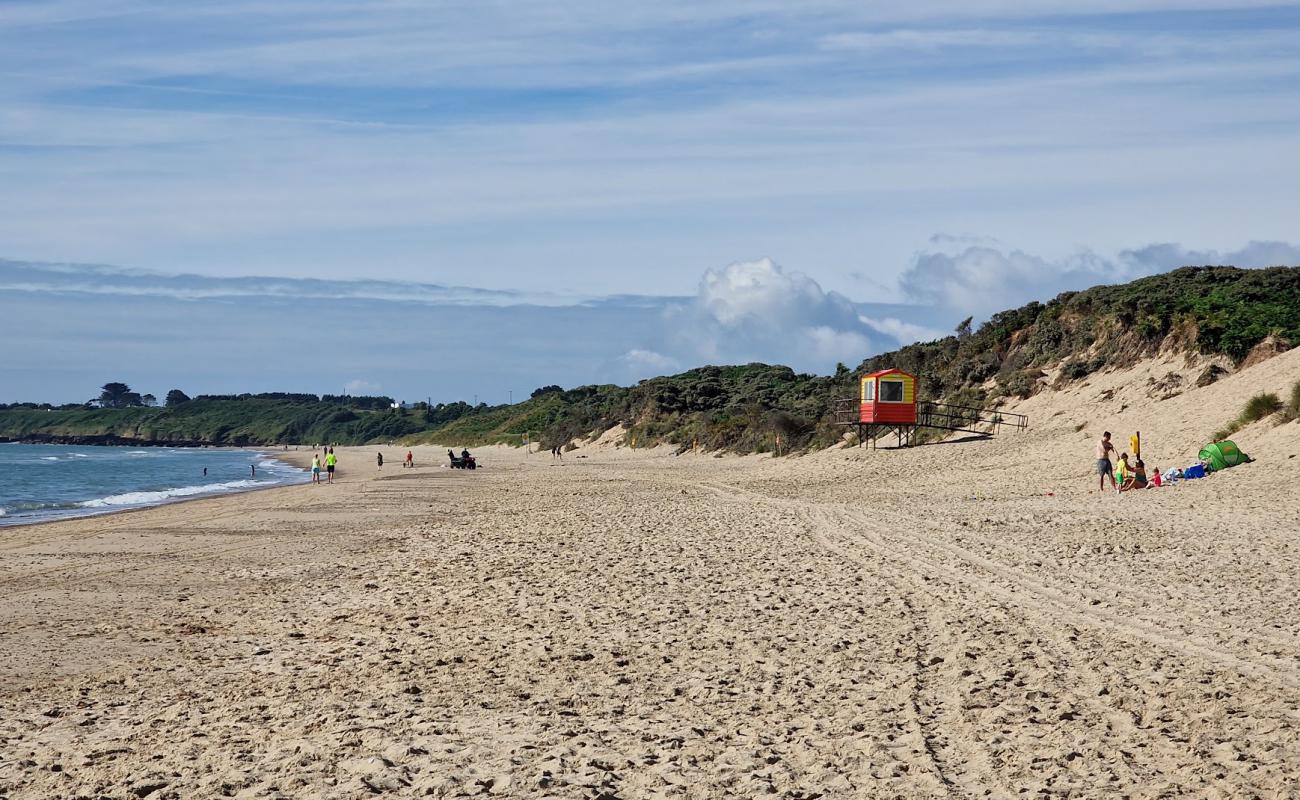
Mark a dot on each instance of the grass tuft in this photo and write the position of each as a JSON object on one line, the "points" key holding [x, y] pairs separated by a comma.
{"points": [[1292, 410], [1258, 407]]}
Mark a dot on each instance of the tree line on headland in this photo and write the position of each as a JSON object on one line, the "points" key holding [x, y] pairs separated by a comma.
{"points": [[1221, 311]]}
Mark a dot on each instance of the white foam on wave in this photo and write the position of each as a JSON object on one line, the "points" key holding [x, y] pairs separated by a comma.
{"points": [[78, 455], [147, 498], [49, 458]]}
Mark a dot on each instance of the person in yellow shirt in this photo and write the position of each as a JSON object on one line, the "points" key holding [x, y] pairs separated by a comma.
{"points": [[1122, 468], [330, 462]]}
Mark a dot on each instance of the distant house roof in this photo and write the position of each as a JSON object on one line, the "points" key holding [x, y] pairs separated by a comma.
{"points": [[890, 371]]}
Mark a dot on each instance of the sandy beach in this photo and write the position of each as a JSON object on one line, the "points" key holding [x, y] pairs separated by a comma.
{"points": [[962, 619]]}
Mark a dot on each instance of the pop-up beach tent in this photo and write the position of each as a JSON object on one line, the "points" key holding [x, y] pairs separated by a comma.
{"points": [[1222, 455]]}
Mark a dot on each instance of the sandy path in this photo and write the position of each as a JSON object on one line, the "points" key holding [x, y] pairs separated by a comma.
{"points": [[922, 623]]}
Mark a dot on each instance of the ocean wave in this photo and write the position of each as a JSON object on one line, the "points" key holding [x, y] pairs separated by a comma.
{"points": [[49, 458], [147, 498]]}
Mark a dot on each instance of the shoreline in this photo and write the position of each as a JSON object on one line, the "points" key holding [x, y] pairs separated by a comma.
{"points": [[93, 512]]}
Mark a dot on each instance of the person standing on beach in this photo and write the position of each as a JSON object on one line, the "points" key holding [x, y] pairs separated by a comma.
{"points": [[410, 459], [330, 461], [379, 459], [1102, 452], [315, 468]]}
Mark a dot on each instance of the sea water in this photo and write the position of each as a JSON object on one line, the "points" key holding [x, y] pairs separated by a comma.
{"points": [[45, 481]]}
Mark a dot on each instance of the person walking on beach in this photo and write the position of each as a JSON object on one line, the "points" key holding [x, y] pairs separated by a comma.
{"points": [[410, 459], [1102, 452], [315, 468], [379, 459], [330, 462]]}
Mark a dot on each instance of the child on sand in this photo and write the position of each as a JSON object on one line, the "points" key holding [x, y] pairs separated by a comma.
{"points": [[1137, 479]]}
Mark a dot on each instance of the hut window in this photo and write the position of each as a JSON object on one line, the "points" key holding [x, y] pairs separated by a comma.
{"points": [[868, 391], [891, 391]]}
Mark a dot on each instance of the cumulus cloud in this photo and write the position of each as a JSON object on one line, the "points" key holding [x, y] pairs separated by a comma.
{"points": [[757, 311], [987, 277]]}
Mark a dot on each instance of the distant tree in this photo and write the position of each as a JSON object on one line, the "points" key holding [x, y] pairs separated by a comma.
{"points": [[841, 371], [148, 400], [118, 395], [546, 390], [963, 329], [175, 397]]}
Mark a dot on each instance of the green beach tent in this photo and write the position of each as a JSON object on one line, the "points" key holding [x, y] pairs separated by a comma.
{"points": [[1222, 455]]}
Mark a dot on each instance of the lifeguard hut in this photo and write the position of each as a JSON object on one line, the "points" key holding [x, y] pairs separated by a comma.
{"points": [[887, 402], [888, 398]]}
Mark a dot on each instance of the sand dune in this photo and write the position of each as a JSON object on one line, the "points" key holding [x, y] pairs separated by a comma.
{"points": [[953, 620]]}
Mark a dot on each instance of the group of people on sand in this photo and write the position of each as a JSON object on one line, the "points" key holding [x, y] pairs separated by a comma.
{"points": [[1125, 476], [330, 463], [408, 462]]}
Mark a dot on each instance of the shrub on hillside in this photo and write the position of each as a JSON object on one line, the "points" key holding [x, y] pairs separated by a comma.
{"points": [[1292, 410], [1258, 407]]}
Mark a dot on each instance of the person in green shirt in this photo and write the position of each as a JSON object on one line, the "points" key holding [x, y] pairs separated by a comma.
{"points": [[330, 462], [1122, 469]]}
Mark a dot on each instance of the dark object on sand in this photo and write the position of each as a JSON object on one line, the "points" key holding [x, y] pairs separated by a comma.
{"points": [[462, 461]]}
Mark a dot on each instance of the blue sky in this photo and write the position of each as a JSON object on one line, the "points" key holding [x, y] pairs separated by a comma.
{"points": [[565, 153]]}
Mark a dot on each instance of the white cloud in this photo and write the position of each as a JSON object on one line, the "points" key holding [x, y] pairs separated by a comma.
{"points": [[103, 280], [985, 278], [358, 386], [927, 39], [757, 311], [1167, 255], [902, 331], [637, 364], [982, 279]]}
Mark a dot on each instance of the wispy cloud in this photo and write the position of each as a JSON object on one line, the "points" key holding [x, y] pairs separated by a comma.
{"points": [[93, 279]]}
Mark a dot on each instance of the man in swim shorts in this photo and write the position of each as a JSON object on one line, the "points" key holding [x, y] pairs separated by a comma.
{"points": [[1102, 452], [330, 461]]}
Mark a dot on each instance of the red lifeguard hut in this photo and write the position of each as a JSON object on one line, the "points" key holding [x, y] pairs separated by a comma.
{"points": [[888, 402], [888, 398]]}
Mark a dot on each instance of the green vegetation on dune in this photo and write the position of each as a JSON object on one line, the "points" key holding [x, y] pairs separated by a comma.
{"points": [[212, 421], [1213, 310]]}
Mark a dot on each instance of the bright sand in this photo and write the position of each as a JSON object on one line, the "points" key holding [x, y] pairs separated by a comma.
{"points": [[920, 623]]}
